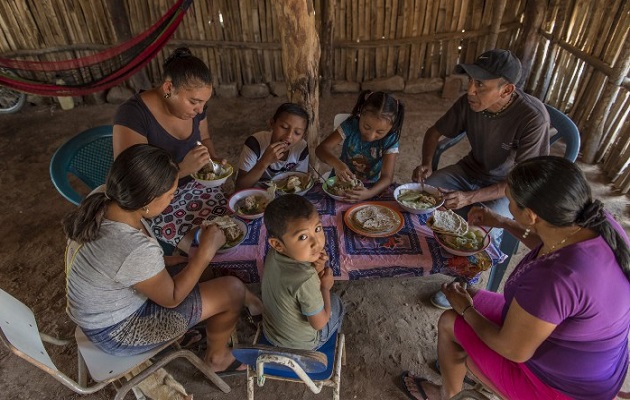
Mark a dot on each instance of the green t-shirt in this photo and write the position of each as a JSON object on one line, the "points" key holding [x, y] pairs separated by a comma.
{"points": [[290, 293]]}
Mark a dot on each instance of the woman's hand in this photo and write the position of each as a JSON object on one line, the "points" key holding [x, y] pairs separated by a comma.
{"points": [[457, 295], [274, 153], [483, 216], [210, 240], [196, 158]]}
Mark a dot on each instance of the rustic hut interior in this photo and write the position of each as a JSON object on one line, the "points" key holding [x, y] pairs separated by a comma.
{"points": [[67, 65]]}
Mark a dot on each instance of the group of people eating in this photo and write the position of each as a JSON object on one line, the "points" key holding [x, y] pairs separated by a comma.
{"points": [[559, 330]]}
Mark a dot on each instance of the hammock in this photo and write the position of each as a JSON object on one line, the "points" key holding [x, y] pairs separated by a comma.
{"points": [[93, 73]]}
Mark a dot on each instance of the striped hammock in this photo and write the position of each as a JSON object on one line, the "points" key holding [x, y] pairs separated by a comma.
{"points": [[97, 72]]}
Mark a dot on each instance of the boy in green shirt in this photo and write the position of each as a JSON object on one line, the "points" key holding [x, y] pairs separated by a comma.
{"points": [[300, 312]]}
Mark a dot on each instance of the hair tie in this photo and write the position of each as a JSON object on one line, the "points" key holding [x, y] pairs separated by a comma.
{"points": [[591, 215]]}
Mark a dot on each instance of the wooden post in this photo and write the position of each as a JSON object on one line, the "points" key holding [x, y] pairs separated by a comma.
{"points": [[300, 60], [120, 22], [497, 17], [328, 24], [534, 16], [595, 129]]}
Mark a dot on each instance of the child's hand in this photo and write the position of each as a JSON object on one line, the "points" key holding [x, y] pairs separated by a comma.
{"points": [[326, 278], [320, 264], [342, 171], [357, 194], [274, 153]]}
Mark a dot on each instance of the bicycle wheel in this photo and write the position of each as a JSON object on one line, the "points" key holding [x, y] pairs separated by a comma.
{"points": [[11, 100]]}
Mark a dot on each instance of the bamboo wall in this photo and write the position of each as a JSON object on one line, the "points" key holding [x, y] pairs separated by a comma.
{"points": [[581, 61]]}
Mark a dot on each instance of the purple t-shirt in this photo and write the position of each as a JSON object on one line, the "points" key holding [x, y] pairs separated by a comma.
{"points": [[135, 115], [582, 290]]}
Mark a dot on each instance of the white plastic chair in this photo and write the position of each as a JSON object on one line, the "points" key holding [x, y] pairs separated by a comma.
{"points": [[19, 332], [339, 118]]}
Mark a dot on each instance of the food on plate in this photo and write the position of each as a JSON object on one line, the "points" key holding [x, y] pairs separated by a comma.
{"points": [[293, 183], [374, 219], [251, 205], [469, 241], [206, 173], [448, 222], [232, 231], [339, 187], [417, 199]]}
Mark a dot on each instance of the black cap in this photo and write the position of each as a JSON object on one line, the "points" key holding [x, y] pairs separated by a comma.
{"points": [[493, 64]]}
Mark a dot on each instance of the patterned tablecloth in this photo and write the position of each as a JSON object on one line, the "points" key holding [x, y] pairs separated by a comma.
{"points": [[411, 252]]}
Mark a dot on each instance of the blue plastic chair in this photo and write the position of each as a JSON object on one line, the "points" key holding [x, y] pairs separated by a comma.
{"points": [[88, 156], [568, 132], [314, 368]]}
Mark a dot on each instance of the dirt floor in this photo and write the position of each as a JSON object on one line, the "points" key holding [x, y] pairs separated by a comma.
{"points": [[390, 326]]}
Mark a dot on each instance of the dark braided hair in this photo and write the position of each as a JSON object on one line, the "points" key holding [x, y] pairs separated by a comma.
{"points": [[557, 191], [382, 105]]}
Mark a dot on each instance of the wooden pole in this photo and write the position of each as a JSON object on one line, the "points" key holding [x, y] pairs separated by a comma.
{"points": [[495, 28], [328, 25], [300, 60], [600, 113], [534, 16], [120, 22]]}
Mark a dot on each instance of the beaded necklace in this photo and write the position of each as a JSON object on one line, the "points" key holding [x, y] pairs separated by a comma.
{"points": [[489, 114]]}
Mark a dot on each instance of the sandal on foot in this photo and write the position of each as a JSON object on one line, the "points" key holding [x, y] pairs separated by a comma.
{"points": [[232, 369], [416, 390]]}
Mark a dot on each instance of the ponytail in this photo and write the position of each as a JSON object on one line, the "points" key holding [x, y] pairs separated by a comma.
{"points": [[83, 224]]}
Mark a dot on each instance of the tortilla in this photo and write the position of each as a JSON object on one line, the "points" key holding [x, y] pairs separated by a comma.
{"points": [[449, 222], [374, 219], [231, 230]]}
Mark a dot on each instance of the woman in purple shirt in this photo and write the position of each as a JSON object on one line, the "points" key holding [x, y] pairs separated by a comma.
{"points": [[560, 331]]}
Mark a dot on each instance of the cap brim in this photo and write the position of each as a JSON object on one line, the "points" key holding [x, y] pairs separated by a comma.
{"points": [[475, 72]]}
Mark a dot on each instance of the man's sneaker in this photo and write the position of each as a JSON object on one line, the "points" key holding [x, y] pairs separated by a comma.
{"points": [[440, 301]]}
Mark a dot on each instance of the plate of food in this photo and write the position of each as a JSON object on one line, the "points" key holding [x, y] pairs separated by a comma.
{"points": [[454, 234], [208, 178], [337, 190], [373, 219], [293, 182], [250, 203], [416, 199], [234, 229]]}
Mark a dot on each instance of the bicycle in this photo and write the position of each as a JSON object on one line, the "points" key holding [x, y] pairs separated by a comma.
{"points": [[11, 101]]}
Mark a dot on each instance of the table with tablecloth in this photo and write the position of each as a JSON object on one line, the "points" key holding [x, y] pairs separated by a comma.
{"points": [[411, 252]]}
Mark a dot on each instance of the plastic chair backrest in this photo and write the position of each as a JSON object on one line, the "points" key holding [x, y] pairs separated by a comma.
{"points": [[567, 130], [89, 156], [18, 325]]}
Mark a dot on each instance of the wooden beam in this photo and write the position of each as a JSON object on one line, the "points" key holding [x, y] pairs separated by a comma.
{"points": [[328, 25], [534, 16]]}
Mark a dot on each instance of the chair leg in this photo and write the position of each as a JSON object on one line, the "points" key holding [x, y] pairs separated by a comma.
{"points": [[339, 360], [251, 378], [205, 369], [82, 374]]}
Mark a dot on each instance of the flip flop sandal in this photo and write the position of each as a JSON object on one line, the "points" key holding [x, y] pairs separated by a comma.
{"points": [[232, 369], [193, 337], [417, 384]]}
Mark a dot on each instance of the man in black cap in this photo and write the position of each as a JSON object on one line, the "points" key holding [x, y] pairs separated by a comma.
{"points": [[504, 126]]}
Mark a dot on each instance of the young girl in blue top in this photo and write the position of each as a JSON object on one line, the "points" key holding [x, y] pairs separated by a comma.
{"points": [[370, 139]]}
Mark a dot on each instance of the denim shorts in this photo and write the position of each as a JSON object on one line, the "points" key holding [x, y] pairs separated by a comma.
{"points": [[149, 327], [337, 312]]}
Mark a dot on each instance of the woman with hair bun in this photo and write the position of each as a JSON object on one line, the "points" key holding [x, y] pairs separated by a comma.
{"points": [[560, 330]]}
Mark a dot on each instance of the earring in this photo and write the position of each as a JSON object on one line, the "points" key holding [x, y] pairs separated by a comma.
{"points": [[167, 95], [145, 209], [526, 233]]}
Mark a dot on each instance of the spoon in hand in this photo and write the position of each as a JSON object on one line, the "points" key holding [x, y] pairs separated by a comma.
{"points": [[216, 168]]}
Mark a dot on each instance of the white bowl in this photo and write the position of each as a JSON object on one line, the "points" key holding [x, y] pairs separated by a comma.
{"points": [[331, 182], [417, 186], [464, 253], [215, 182], [286, 175], [228, 247], [240, 195]]}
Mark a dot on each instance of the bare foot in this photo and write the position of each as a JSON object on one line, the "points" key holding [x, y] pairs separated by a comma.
{"points": [[419, 388]]}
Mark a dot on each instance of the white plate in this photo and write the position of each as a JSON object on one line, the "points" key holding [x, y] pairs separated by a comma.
{"points": [[229, 246], [238, 196], [464, 253], [331, 182], [215, 182], [285, 175], [418, 187]]}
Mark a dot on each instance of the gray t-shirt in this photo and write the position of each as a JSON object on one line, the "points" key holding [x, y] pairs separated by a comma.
{"points": [[497, 144], [291, 293], [100, 277]]}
